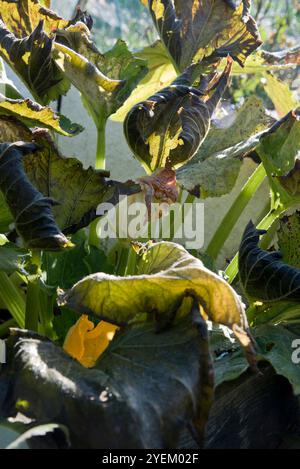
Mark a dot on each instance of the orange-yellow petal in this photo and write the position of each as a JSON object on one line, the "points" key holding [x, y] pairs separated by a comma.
{"points": [[86, 343]]}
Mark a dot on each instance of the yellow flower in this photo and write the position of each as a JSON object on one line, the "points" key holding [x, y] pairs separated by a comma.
{"points": [[86, 343]]}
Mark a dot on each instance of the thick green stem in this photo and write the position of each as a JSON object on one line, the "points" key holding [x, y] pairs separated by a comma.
{"points": [[12, 298], [32, 306], [99, 164], [235, 211]]}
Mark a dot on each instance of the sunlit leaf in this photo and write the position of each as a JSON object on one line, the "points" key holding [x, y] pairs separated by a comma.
{"points": [[170, 126], [11, 257], [141, 390], [167, 274], [193, 30], [280, 94], [105, 80], [7, 87], [32, 211], [32, 114], [289, 239]]}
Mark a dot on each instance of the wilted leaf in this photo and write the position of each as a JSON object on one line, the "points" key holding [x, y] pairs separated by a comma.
{"points": [[105, 80], [264, 276], [214, 169], [31, 58], [32, 211], [167, 274], [193, 30], [170, 126], [141, 390], [39, 434], [34, 115]]}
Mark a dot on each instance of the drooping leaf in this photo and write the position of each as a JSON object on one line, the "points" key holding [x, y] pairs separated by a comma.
{"points": [[167, 273], [39, 433], [170, 126], [105, 80], [34, 115], [193, 30], [31, 58], [263, 274], [214, 169], [32, 211], [141, 390]]}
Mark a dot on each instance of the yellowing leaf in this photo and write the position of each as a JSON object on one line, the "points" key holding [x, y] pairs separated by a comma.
{"points": [[86, 343], [280, 94], [167, 275]]}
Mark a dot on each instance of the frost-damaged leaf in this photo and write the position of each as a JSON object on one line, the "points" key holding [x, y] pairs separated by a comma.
{"points": [[77, 191], [170, 126], [214, 169], [105, 80], [161, 73], [31, 58], [167, 274], [141, 390], [289, 239], [193, 30], [34, 115], [263, 274], [32, 211]]}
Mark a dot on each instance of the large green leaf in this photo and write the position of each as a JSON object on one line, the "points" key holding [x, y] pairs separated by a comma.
{"points": [[280, 94], [167, 274], [105, 80], [289, 239], [193, 30], [32, 211], [214, 169], [141, 394], [170, 126], [264, 276], [34, 115]]}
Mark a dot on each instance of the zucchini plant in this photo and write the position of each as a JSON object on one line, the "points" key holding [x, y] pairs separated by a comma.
{"points": [[119, 341]]}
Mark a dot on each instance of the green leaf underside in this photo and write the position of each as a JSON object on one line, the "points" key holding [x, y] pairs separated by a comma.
{"points": [[214, 169], [34, 115], [171, 125], [289, 239], [141, 390], [166, 275], [32, 212], [105, 80], [193, 30], [264, 275]]}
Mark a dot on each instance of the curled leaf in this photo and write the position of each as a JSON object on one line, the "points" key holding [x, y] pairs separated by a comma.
{"points": [[32, 211], [86, 342], [263, 274], [193, 30], [170, 126], [31, 58], [34, 115], [167, 274]]}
